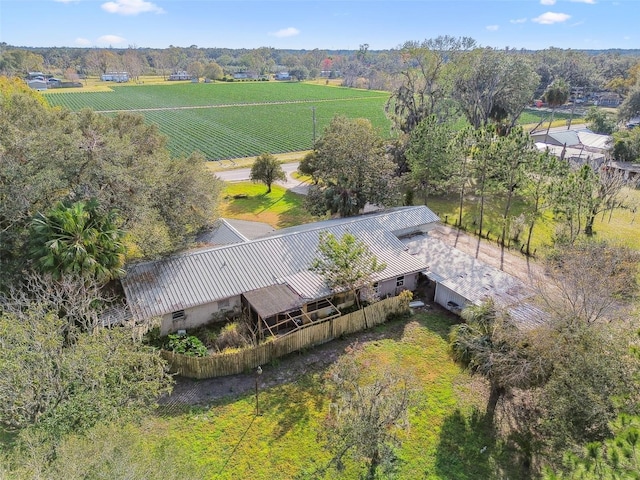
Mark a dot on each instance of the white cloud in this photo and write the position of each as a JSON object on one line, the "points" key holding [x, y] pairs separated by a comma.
{"points": [[131, 7], [66, 1], [286, 32], [549, 18], [590, 2], [82, 42], [111, 40], [492, 28], [547, 2], [518, 20]]}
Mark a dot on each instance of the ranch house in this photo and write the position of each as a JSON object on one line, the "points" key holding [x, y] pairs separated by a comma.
{"points": [[269, 277], [118, 77]]}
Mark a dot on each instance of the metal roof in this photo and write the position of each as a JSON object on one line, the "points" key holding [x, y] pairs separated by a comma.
{"points": [[466, 275], [201, 277], [577, 138], [222, 233], [269, 301], [392, 220], [250, 229], [527, 315], [594, 140]]}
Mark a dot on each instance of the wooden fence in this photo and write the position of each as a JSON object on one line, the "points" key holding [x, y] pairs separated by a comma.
{"points": [[221, 364]]}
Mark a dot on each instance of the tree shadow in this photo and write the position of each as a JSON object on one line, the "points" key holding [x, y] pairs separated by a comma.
{"points": [[294, 404], [468, 449], [437, 320]]}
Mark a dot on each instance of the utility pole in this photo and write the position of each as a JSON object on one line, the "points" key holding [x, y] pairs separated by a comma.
{"points": [[258, 373], [313, 113]]}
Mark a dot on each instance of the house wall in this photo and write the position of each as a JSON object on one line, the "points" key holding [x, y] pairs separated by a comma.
{"points": [[390, 287], [197, 316], [445, 295]]}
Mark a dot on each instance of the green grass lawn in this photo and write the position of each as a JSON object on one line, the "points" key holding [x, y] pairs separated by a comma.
{"points": [[280, 208], [621, 227], [445, 440]]}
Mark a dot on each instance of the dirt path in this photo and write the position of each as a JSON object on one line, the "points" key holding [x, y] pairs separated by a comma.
{"points": [[287, 369]]}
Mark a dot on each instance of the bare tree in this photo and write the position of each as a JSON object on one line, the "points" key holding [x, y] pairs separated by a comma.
{"points": [[589, 281], [424, 86], [369, 408], [81, 302]]}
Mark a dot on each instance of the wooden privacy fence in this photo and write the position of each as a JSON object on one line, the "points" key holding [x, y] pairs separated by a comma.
{"points": [[221, 364]]}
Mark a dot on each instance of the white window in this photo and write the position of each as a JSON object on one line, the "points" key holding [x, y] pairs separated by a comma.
{"points": [[400, 282], [376, 288]]}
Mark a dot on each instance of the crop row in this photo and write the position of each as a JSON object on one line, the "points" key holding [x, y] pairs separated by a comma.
{"points": [[242, 131], [191, 95]]}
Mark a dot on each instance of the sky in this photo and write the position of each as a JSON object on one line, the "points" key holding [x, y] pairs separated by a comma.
{"points": [[327, 25]]}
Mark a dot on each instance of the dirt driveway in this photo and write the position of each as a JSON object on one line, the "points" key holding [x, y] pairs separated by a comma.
{"points": [[513, 263]]}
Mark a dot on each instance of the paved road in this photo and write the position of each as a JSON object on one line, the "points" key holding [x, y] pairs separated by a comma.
{"points": [[243, 174]]}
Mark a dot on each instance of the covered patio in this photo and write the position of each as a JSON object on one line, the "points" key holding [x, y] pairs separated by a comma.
{"points": [[279, 310]]}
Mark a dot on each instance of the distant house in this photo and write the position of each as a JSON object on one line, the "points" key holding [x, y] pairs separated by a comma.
{"points": [[245, 76], [36, 76], [579, 146], [119, 77], [633, 123], [608, 99], [269, 277], [180, 75], [283, 76], [39, 84]]}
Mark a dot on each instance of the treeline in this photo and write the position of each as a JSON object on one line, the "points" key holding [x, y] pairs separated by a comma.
{"points": [[364, 68]]}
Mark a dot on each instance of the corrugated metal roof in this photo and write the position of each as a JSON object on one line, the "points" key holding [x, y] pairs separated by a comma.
{"points": [[250, 229], [527, 315], [269, 301], [569, 138], [594, 140], [222, 233], [393, 219], [197, 278]]}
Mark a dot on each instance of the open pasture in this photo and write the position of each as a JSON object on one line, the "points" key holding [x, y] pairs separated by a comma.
{"points": [[232, 120]]}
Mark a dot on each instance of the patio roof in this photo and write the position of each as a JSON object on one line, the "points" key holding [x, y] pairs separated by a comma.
{"points": [[274, 299]]}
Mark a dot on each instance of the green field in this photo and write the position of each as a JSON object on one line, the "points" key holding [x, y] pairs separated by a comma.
{"points": [[233, 120]]}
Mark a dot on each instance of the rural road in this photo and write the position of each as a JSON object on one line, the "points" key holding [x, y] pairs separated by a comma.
{"points": [[243, 174]]}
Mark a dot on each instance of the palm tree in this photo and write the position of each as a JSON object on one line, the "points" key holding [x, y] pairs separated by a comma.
{"points": [[490, 344], [556, 95], [77, 239]]}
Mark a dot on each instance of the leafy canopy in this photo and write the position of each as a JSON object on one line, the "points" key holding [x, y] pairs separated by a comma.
{"points": [[77, 240], [351, 167], [267, 169], [346, 263]]}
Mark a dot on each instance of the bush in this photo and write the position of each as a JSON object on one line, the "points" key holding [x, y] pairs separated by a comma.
{"points": [[232, 335], [186, 345]]}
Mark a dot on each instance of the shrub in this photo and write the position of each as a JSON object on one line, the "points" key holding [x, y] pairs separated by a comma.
{"points": [[186, 345], [232, 335]]}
